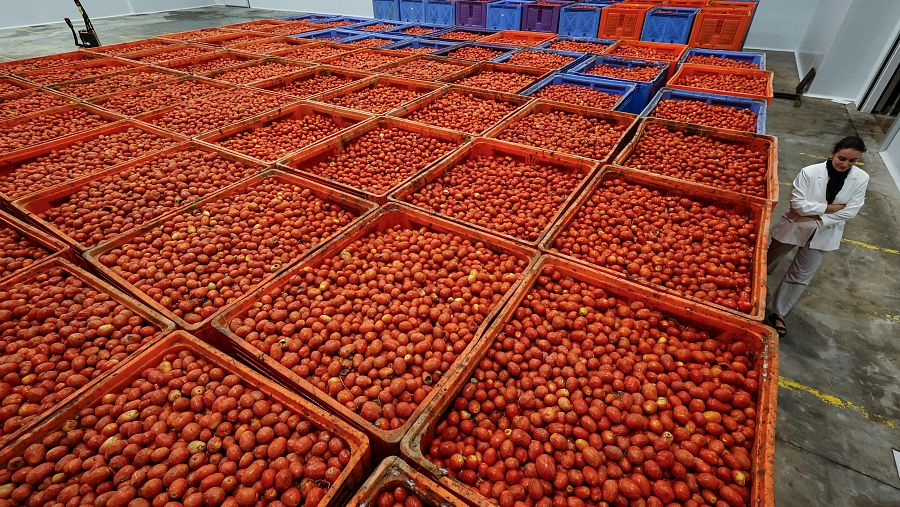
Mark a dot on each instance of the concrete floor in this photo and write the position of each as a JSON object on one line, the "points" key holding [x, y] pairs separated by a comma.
{"points": [[839, 402]]}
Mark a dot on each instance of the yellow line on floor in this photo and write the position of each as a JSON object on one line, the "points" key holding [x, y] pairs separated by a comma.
{"points": [[834, 401], [871, 247]]}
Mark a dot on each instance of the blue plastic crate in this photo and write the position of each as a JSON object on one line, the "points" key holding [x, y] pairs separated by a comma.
{"points": [[338, 33], [668, 24], [506, 14], [386, 9], [436, 45], [758, 59], [757, 106], [480, 31], [644, 90], [361, 26], [607, 42], [388, 38], [579, 58], [507, 50], [580, 20], [412, 11], [355, 20], [440, 12], [406, 26], [613, 87]]}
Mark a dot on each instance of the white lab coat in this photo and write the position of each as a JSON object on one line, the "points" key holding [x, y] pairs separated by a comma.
{"points": [[808, 199]]}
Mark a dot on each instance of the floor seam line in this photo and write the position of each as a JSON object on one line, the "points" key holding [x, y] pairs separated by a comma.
{"points": [[838, 463]]}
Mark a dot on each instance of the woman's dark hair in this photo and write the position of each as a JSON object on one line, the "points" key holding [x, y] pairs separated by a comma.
{"points": [[850, 142]]}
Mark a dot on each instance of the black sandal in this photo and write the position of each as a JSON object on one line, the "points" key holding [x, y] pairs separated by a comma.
{"points": [[778, 323]]}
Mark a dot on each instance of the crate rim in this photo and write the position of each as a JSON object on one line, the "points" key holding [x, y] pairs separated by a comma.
{"points": [[630, 87], [667, 93]]}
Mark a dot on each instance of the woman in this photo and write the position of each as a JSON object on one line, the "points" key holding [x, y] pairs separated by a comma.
{"points": [[824, 196]]}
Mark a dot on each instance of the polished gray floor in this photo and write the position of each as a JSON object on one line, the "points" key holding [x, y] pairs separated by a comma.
{"points": [[839, 404]]}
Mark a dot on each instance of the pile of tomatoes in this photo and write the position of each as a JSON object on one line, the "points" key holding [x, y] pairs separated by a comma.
{"points": [[463, 111]]}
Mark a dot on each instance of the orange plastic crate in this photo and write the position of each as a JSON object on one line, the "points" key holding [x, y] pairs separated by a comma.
{"points": [[385, 442], [249, 73], [421, 88], [314, 52], [518, 38], [126, 48], [10, 86], [721, 28], [626, 120], [760, 339], [123, 377], [685, 70], [304, 162], [45, 246], [148, 98], [192, 35], [427, 68], [208, 61], [736, 203], [581, 168], [82, 70], [622, 21], [366, 59], [289, 84], [231, 38], [749, 5], [394, 473], [269, 45], [530, 75], [763, 143], [355, 205], [33, 277], [11, 141], [342, 117], [654, 51], [45, 62]]}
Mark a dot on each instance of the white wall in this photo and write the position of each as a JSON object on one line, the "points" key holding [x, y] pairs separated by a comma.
{"points": [[53, 11], [861, 44], [824, 26], [362, 8], [780, 24], [891, 158]]}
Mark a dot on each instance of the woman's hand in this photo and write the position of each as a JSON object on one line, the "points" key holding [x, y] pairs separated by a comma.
{"points": [[834, 208]]}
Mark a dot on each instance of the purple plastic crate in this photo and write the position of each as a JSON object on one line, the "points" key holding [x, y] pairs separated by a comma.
{"points": [[471, 13], [543, 16]]}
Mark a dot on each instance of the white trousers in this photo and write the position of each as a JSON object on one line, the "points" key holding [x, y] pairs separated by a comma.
{"points": [[798, 276]]}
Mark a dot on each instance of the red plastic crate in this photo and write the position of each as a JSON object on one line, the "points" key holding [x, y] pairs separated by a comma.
{"points": [[310, 82], [117, 82], [581, 169], [314, 52], [127, 48], [749, 5], [291, 29], [394, 473], [343, 119], [415, 88], [721, 28], [36, 246], [231, 38], [653, 51], [427, 68], [46, 62], [215, 111], [54, 163], [37, 204], [192, 35], [144, 99], [124, 379], [726, 328], [77, 71], [176, 52], [518, 38], [460, 34], [33, 280], [622, 21], [366, 59], [208, 61], [28, 102], [738, 204], [767, 77], [258, 25], [270, 45], [12, 141], [761, 143], [531, 76], [257, 70], [13, 86], [624, 121], [356, 206], [385, 442], [410, 110], [305, 162]]}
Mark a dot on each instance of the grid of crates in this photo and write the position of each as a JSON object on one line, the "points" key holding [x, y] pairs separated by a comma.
{"points": [[289, 153]]}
